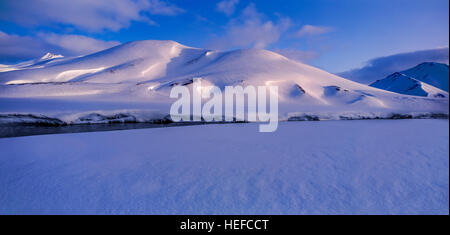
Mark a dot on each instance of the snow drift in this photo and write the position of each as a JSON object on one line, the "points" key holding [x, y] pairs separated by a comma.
{"points": [[354, 167]]}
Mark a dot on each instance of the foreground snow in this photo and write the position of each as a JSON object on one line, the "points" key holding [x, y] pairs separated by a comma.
{"points": [[332, 167]]}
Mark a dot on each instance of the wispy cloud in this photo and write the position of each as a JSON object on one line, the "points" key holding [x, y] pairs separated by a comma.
{"points": [[15, 48], [381, 67], [158, 7], [76, 44], [88, 15], [250, 29], [227, 6], [311, 30]]}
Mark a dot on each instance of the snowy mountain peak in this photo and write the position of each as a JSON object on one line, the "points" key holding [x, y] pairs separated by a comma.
{"points": [[432, 73], [404, 84], [50, 56], [429, 64], [429, 79], [148, 46]]}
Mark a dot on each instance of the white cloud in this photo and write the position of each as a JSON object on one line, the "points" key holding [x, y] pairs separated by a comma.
{"points": [[158, 7], [77, 44], [88, 15], [381, 67], [250, 29], [227, 6], [311, 30], [15, 48]]}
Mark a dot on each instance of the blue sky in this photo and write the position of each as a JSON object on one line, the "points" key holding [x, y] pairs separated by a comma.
{"points": [[333, 35]]}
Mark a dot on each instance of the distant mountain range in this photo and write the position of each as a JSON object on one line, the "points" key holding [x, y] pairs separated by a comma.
{"points": [[426, 79]]}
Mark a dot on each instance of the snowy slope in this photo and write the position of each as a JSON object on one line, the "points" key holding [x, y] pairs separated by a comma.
{"points": [[404, 84], [336, 167], [141, 73]]}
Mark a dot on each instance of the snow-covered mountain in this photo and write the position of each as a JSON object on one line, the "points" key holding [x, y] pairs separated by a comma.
{"points": [[46, 59], [435, 74], [404, 84], [50, 56], [139, 75], [426, 79]]}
